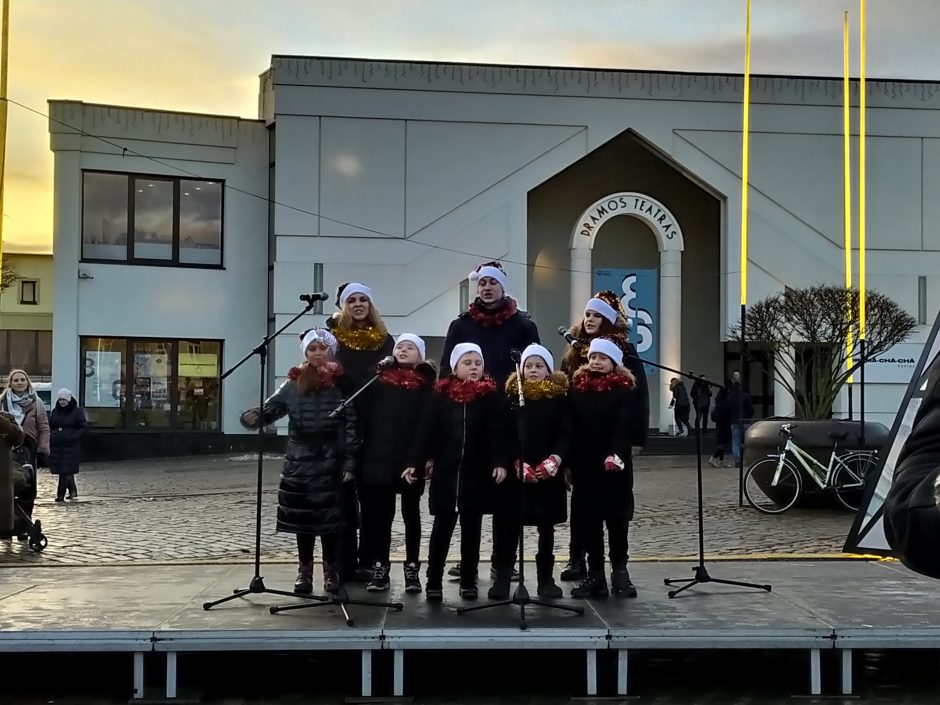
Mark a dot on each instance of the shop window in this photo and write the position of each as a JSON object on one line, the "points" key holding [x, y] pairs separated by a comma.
{"points": [[140, 385], [173, 221]]}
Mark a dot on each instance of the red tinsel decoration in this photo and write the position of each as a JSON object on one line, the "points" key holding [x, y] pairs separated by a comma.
{"points": [[325, 376], [402, 377], [593, 382], [464, 391], [492, 319]]}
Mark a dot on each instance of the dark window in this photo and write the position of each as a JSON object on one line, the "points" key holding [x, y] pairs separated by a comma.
{"points": [[174, 221], [135, 384], [29, 291], [30, 350]]}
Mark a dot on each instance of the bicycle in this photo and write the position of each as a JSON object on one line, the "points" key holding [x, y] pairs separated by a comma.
{"points": [[773, 484]]}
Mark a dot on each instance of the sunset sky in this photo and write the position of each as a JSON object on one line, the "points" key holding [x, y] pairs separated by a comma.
{"points": [[205, 55]]}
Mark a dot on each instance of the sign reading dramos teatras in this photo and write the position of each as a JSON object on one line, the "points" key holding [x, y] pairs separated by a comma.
{"points": [[627, 205]]}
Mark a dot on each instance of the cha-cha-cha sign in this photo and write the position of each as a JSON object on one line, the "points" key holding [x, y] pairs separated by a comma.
{"points": [[628, 204]]}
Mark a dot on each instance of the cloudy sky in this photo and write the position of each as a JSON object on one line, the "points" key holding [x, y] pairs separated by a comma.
{"points": [[205, 55]]}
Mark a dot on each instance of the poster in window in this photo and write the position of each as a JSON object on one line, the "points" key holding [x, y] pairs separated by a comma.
{"points": [[102, 379]]}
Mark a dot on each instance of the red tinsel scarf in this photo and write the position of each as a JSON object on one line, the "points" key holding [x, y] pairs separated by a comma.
{"points": [[464, 391], [309, 378], [402, 377], [492, 319], [593, 382]]}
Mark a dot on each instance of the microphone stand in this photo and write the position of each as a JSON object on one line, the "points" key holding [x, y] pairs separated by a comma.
{"points": [[700, 573], [257, 586], [520, 596], [341, 598]]}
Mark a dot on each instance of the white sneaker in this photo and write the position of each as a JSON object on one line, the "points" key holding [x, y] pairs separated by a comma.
{"points": [[713, 461]]}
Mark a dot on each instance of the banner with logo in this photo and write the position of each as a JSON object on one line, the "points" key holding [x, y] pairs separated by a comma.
{"points": [[639, 294]]}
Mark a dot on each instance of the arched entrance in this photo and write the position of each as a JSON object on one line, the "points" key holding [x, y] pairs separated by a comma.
{"points": [[670, 243]]}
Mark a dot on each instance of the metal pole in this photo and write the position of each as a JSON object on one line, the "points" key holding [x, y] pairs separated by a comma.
{"points": [[4, 65]]}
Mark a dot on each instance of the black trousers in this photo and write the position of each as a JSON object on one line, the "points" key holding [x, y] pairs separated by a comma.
{"points": [[546, 541], [305, 544], [66, 484], [349, 539], [701, 417], [442, 531], [593, 531], [378, 514], [682, 418]]}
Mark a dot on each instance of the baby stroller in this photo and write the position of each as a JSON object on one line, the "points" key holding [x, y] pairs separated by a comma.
{"points": [[24, 499]]}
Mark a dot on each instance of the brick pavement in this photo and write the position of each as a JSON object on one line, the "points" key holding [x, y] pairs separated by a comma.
{"points": [[201, 509]]}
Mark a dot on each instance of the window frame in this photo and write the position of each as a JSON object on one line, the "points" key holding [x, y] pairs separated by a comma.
{"points": [[35, 366], [174, 261], [22, 300], [130, 380]]}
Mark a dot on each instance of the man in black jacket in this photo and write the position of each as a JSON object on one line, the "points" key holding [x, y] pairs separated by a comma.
{"points": [[911, 511]]}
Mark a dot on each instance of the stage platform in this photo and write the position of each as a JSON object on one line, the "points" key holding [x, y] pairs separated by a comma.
{"points": [[841, 605]]}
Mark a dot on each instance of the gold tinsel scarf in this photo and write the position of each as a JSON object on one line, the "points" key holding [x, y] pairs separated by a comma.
{"points": [[554, 386], [369, 338]]}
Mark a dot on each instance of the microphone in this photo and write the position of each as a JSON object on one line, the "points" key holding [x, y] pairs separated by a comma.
{"points": [[569, 337], [385, 363], [515, 355], [319, 296]]}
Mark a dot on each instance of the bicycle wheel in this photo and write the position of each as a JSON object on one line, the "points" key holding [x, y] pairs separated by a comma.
{"points": [[848, 480], [768, 496]]}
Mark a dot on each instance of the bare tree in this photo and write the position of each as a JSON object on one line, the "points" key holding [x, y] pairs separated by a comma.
{"points": [[808, 332], [8, 275]]}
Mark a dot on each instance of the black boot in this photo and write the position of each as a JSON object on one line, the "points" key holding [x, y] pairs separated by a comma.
{"points": [[620, 583], [332, 578], [303, 585], [412, 581], [433, 590], [575, 570], [380, 580], [594, 585], [500, 588], [545, 566]]}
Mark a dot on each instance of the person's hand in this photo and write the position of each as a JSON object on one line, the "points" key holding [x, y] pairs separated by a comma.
{"points": [[41, 460], [347, 476], [409, 476], [613, 463], [250, 419], [525, 472], [499, 474], [548, 468]]}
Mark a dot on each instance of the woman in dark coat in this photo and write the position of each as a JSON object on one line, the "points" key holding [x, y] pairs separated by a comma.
{"points": [[401, 394], [547, 427], [721, 415], [67, 425], [464, 431], [362, 341], [604, 317], [320, 455], [603, 406]]}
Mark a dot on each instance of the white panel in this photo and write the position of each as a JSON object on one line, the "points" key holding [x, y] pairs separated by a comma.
{"points": [[899, 288], [297, 176], [362, 177], [931, 188], [893, 194], [451, 162], [291, 279]]}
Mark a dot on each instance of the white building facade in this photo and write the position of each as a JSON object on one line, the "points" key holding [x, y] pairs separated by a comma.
{"points": [[407, 175]]}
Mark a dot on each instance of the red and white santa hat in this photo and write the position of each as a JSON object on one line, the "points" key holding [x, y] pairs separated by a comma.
{"points": [[461, 349], [346, 290], [536, 350], [415, 340], [489, 269], [606, 346]]}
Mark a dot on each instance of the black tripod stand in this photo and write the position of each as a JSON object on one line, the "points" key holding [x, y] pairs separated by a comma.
{"points": [[700, 572], [256, 586], [520, 596], [341, 598]]}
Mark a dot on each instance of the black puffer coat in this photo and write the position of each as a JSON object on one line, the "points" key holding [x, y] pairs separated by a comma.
{"points": [[319, 451], [67, 426], [466, 440], [547, 425], [397, 406], [516, 331], [599, 419]]}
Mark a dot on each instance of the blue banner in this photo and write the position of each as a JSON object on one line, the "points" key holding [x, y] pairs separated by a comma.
{"points": [[639, 294]]}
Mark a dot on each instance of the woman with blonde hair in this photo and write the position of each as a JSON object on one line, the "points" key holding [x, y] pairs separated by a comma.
{"points": [[21, 401], [362, 340]]}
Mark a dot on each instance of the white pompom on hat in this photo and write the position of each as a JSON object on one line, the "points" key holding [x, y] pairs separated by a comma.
{"points": [[490, 269], [536, 350], [607, 347], [317, 335], [461, 349], [415, 340], [347, 290]]}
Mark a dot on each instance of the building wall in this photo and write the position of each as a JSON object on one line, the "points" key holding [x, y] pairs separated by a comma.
{"points": [[121, 300], [16, 316]]}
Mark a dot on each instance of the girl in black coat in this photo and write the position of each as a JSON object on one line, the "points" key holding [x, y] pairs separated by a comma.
{"points": [[362, 341], [547, 428], [603, 407], [400, 396], [320, 455], [67, 426], [463, 430]]}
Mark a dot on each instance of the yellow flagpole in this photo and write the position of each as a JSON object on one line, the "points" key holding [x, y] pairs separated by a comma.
{"points": [[847, 175], [745, 133], [861, 181], [4, 62]]}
